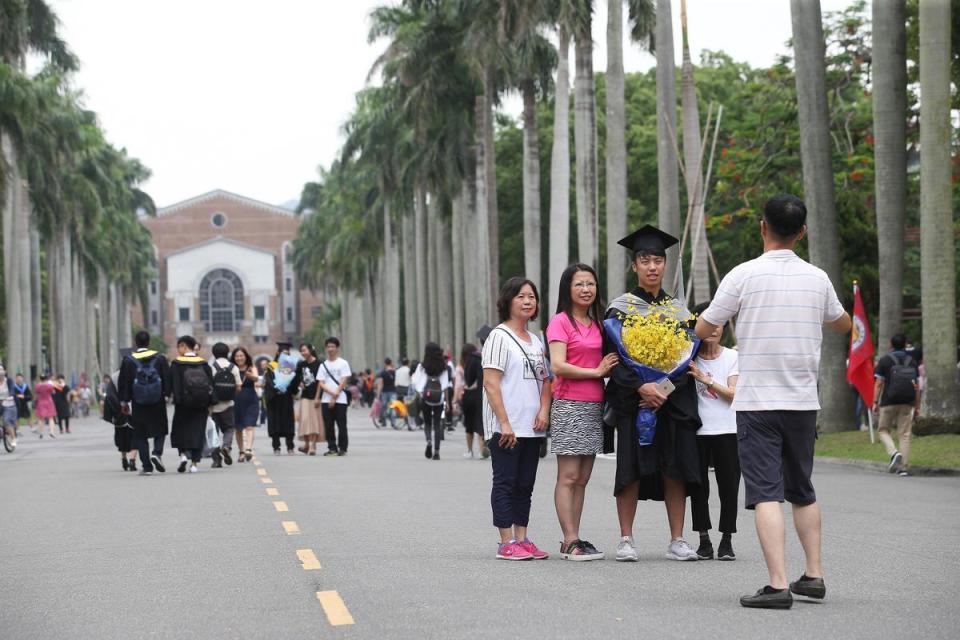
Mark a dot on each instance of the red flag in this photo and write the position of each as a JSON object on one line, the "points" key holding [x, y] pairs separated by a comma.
{"points": [[860, 362]]}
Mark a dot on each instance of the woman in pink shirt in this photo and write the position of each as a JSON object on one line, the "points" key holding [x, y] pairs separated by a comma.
{"points": [[43, 401], [576, 418]]}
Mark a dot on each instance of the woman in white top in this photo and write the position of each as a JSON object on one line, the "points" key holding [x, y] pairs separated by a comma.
{"points": [[516, 411], [432, 382], [716, 370]]}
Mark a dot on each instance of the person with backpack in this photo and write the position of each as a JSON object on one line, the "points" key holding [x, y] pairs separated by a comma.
{"points": [[226, 386], [191, 381], [386, 382], [280, 382], [122, 430], [897, 398], [143, 386], [434, 385]]}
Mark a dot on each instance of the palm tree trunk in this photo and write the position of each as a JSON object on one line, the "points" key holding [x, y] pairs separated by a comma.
{"points": [[457, 260], [668, 182], [585, 141], [410, 286], [559, 246], [815, 155], [531, 191], [103, 306], [694, 171], [475, 250], [36, 300], [433, 222], [423, 289], [937, 262], [490, 177], [391, 285], [113, 346], [11, 219], [481, 221], [444, 285], [616, 153], [890, 156]]}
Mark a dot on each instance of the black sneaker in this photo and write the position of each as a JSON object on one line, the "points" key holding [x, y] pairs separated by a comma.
{"points": [[227, 458], [705, 551], [329, 452], [436, 456], [810, 587], [182, 467], [125, 464], [768, 598], [341, 453], [216, 465], [894, 462], [725, 551], [132, 465], [158, 464], [428, 452], [904, 473]]}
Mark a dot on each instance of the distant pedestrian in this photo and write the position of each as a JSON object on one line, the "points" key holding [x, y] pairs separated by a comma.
{"points": [[783, 303], [191, 380], [576, 418], [432, 383], [716, 371], [516, 412], [46, 409], [122, 429], [246, 408], [226, 386], [471, 402], [8, 407], [402, 378], [61, 400], [143, 386], [23, 397], [897, 398], [279, 387], [387, 389], [311, 422], [334, 373]]}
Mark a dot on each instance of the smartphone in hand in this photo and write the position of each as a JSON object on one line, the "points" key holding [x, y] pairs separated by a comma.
{"points": [[665, 386]]}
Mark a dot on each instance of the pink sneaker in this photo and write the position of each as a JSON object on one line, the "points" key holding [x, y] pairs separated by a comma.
{"points": [[532, 549], [513, 550]]}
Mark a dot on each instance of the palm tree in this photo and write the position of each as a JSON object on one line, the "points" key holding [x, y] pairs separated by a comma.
{"points": [[559, 245], [668, 183], [815, 155], [937, 265], [890, 157], [585, 135]]}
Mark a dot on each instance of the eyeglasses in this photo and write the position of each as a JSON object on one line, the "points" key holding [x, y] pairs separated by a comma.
{"points": [[585, 285]]}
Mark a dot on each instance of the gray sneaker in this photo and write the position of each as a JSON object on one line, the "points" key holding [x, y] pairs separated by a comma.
{"points": [[680, 550], [625, 550]]}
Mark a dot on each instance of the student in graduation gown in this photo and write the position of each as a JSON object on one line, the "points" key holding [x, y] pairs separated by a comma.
{"points": [[189, 431], [148, 420], [281, 422], [665, 469]]}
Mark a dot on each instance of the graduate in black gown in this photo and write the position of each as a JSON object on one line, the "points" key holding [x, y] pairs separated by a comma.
{"points": [[281, 422], [148, 420], [192, 398], [665, 469]]}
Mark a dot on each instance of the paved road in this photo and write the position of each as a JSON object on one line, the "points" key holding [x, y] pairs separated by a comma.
{"points": [[405, 550]]}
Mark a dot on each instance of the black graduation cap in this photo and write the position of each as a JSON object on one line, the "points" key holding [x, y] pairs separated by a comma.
{"points": [[648, 239], [483, 333], [281, 345]]}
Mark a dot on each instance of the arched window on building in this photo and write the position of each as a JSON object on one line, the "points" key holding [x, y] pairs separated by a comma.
{"points": [[221, 301]]}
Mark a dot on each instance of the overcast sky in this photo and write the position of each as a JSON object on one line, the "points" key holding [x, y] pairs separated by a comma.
{"points": [[250, 96]]}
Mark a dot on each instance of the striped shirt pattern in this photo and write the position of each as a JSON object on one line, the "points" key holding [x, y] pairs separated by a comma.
{"points": [[524, 373], [783, 303]]}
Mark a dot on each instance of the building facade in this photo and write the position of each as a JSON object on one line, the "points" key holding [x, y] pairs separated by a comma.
{"points": [[225, 274]]}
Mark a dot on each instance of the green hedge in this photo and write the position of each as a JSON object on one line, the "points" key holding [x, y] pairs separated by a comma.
{"points": [[930, 426]]}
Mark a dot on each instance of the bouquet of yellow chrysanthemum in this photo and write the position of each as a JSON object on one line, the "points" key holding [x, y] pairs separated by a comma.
{"points": [[654, 340]]}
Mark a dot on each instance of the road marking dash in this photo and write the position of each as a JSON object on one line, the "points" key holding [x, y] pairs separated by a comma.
{"points": [[292, 529], [257, 463], [261, 472], [272, 492], [333, 606], [280, 506], [308, 560], [266, 480]]}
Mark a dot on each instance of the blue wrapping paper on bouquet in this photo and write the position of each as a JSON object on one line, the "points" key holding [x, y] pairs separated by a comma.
{"points": [[646, 418]]}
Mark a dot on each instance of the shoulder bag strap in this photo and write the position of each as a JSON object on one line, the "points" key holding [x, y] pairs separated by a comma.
{"points": [[533, 367]]}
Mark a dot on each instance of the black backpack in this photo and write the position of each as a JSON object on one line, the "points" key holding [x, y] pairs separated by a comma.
{"points": [[147, 388], [432, 392], [901, 381], [224, 383], [197, 391]]}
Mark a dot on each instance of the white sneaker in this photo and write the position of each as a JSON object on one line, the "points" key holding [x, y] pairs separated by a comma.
{"points": [[680, 550], [468, 454], [625, 550], [193, 468]]}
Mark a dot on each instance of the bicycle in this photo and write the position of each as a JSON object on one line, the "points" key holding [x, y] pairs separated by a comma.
{"points": [[9, 440]]}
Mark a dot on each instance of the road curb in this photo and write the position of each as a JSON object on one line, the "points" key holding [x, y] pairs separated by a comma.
{"points": [[881, 467]]}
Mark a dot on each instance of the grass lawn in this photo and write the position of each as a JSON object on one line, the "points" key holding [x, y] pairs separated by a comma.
{"points": [[929, 451]]}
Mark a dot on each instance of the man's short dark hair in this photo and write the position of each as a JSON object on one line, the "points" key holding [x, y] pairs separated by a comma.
{"points": [[387, 361], [335, 341], [898, 341], [785, 216], [405, 362], [220, 350], [189, 341], [509, 291], [141, 339]]}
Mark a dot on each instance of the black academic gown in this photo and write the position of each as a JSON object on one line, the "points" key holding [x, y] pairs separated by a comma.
{"points": [[148, 420], [674, 449], [189, 429], [280, 418]]}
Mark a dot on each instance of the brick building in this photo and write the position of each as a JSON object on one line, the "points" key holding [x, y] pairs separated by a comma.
{"points": [[224, 274]]}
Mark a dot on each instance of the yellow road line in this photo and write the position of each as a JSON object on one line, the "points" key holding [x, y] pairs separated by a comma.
{"points": [[257, 463], [333, 606], [308, 560], [272, 492], [266, 480], [280, 505], [291, 528], [261, 472]]}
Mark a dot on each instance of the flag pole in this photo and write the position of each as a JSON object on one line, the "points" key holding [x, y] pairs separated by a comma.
{"points": [[870, 424]]}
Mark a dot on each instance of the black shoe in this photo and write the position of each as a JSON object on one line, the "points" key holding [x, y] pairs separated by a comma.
{"points": [[725, 550], [810, 587], [705, 551], [768, 598], [216, 465], [157, 464], [226, 456], [436, 456], [182, 466], [330, 453], [132, 465], [342, 453], [125, 465], [428, 452]]}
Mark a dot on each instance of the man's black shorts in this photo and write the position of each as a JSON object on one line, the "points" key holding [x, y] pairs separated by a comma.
{"points": [[776, 456]]}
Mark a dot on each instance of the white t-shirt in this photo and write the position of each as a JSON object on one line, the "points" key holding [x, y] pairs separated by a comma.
{"points": [[715, 412], [401, 376], [339, 369], [223, 363], [783, 303], [419, 380], [521, 384]]}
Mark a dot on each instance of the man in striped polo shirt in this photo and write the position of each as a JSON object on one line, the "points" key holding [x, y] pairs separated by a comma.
{"points": [[783, 304]]}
